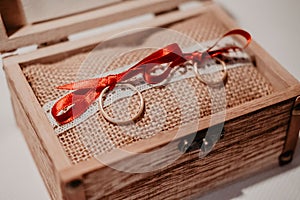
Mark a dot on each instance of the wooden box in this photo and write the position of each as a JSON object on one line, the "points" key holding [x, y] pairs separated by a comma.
{"points": [[259, 131]]}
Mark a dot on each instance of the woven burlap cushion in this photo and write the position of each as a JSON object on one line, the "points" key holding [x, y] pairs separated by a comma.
{"points": [[95, 135]]}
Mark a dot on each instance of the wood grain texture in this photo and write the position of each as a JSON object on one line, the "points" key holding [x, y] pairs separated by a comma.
{"points": [[246, 148], [56, 30], [40, 155], [36, 115]]}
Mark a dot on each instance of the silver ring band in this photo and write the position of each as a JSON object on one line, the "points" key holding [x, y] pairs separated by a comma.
{"points": [[212, 83], [120, 122]]}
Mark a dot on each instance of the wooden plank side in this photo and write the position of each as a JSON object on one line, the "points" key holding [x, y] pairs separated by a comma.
{"points": [[42, 160], [58, 29], [246, 148], [36, 115], [266, 64]]}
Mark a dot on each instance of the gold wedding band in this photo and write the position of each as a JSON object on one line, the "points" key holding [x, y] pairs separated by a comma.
{"points": [[120, 122], [212, 83]]}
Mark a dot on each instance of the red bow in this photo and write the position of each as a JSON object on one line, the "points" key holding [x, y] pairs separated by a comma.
{"points": [[86, 92]]}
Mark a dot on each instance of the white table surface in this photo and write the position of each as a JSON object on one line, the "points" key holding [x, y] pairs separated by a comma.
{"points": [[273, 23]]}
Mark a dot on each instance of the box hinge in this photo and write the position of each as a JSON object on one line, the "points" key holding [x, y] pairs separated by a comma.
{"points": [[31, 48], [20, 51], [292, 135]]}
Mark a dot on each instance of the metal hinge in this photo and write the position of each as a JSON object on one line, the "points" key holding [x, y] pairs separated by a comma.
{"points": [[292, 135], [20, 51]]}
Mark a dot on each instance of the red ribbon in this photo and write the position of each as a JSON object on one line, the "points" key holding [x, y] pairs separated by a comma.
{"points": [[86, 92]]}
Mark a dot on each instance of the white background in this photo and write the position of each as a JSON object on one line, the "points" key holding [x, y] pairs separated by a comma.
{"points": [[273, 23]]}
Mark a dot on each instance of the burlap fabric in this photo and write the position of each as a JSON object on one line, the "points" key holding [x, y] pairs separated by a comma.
{"points": [[163, 104]]}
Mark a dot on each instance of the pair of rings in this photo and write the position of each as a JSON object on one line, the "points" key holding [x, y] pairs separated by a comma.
{"points": [[212, 83]]}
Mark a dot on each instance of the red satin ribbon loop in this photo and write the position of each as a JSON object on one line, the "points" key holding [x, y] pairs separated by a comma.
{"points": [[86, 92]]}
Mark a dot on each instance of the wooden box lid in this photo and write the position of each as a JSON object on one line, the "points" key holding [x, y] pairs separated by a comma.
{"points": [[60, 18]]}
